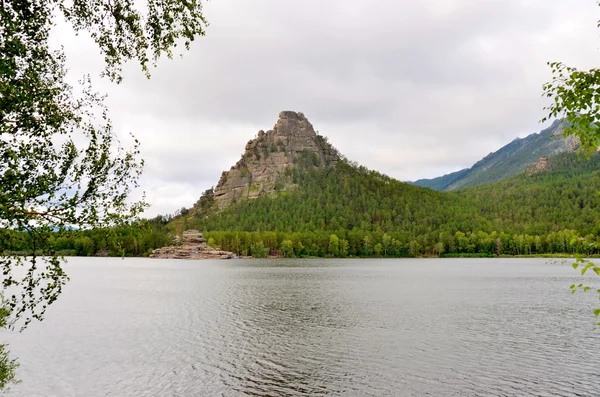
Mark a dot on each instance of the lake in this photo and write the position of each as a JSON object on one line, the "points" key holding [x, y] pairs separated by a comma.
{"points": [[380, 327]]}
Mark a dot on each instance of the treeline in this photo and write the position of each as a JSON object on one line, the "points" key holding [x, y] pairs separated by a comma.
{"points": [[340, 244], [377, 244], [137, 239]]}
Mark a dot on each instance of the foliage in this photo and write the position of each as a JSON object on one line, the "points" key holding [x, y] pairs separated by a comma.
{"points": [[575, 96], [586, 265], [61, 164], [334, 245], [346, 198], [287, 248], [258, 250], [206, 202], [124, 33], [350, 211], [541, 203], [8, 367]]}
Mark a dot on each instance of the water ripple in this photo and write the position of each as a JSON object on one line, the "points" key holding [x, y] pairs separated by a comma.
{"points": [[313, 328]]}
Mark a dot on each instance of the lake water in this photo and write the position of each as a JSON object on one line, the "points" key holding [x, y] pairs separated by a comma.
{"points": [[409, 327]]}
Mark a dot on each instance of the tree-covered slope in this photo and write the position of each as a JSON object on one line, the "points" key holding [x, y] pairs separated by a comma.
{"points": [[370, 214], [563, 197], [345, 197], [507, 161]]}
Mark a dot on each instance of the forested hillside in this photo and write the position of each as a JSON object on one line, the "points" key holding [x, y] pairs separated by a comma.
{"points": [[350, 210], [347, 197], [564, 197]]}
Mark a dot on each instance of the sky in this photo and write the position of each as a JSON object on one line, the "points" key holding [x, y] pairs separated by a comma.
{"points": [[413, 89]]}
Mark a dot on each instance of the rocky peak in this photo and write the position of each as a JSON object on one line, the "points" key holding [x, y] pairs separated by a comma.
{"points": [[262, 168]]}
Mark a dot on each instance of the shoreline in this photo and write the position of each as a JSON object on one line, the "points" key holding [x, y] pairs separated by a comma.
{"points": [[443, 256]]}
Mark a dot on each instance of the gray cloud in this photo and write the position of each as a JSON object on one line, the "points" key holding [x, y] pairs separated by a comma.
{"points": [[413, 89]]}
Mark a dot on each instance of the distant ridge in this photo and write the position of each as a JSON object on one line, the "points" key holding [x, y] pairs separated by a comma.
{"points": [[508, 160]]}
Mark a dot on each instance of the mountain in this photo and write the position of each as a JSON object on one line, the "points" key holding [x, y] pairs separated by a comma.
{"points": [[293, 194], [507, 161], [290, 178], [348, 210]]}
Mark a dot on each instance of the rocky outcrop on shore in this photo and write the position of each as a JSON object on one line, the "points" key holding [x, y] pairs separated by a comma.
{"points": [[194, 247], [267, 159]]}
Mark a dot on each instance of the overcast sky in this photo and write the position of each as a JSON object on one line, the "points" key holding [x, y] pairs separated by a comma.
{"points": [[414, 89]]}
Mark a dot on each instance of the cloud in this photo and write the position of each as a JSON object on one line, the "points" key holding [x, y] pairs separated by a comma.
{"points": [[412, 89]]}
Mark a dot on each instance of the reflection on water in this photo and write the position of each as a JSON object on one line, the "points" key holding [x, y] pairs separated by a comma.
{"points": [[312, 328]]}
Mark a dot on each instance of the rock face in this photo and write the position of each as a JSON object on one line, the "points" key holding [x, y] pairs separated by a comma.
{"points": [[262, 169], [194, 247], [541, 166]]}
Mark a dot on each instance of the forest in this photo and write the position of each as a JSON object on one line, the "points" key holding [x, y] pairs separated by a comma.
{"points": [[350, 211]]}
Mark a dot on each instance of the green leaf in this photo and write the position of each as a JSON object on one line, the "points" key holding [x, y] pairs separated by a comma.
{"points": [[575, 265], [596, 312]]}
